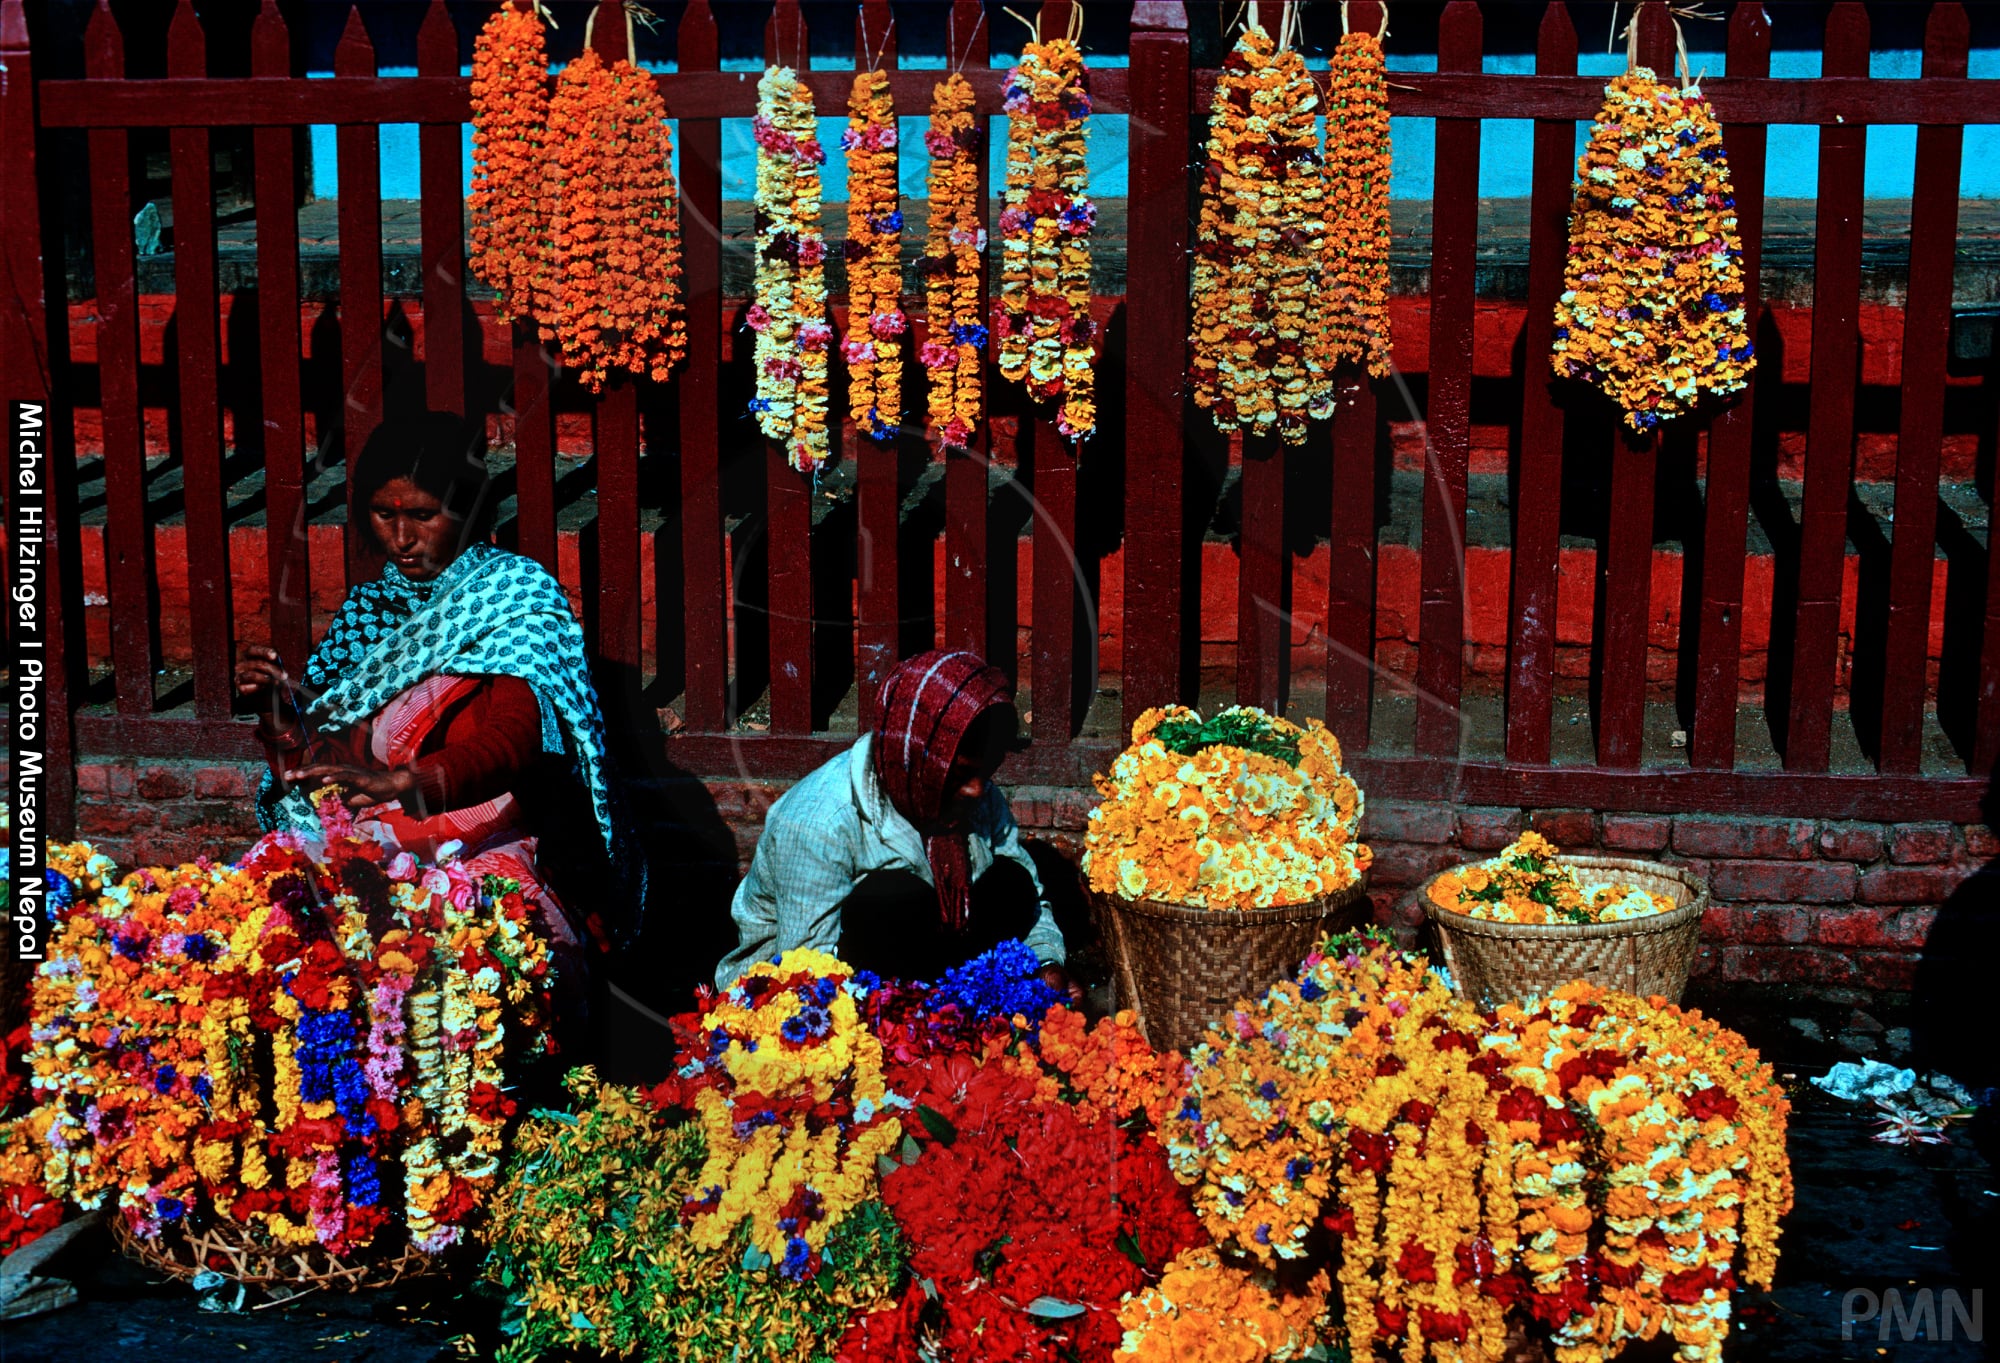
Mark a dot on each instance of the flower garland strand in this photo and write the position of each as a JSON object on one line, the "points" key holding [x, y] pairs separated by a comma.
{"points": [[789, 314], [953, 266], [614, 299], [1256, 350], [875, 321], [509, 235], [1354, 324], [1652, 309], [1042, 319]]}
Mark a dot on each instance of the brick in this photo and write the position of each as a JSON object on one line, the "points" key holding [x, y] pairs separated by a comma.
{"points": [[1703, 836], [1401, 865], [1920, 843], [1854, 927], [1400, 821], [1883, 970], [93, 778], [163, 783], [1573, 830], [1786, 965], [1860, 842], [120, 780], [1754, 924], [1070, 809], [221, 783], [1782, 882], [1909, 884], [1485, 828], [111, 821], [1980, 841], [1636, 832]]}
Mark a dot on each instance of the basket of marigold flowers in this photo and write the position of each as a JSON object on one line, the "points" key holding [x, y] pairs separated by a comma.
{"points": [[1529, 920], [1221, 851]]}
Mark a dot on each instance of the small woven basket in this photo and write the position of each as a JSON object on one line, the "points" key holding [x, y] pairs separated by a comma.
{"points": [[1180, 968], [227, 1248], [1492, 963]]}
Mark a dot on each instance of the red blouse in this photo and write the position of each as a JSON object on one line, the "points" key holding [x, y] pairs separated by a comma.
{"points": [[480, 748]]}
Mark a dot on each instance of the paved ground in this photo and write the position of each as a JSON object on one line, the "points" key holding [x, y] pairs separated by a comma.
{"points": [[1870, 1218]]}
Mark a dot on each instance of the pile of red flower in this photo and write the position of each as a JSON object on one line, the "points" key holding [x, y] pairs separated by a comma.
{"points": [[27, 1212]]}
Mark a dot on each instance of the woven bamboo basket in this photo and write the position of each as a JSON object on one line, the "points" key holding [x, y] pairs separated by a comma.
{"points": [[1492, 963], [1180, 968], [227, 1248]]}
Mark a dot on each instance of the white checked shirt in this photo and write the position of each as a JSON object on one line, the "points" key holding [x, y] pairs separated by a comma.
{"points": [[827, 832]]}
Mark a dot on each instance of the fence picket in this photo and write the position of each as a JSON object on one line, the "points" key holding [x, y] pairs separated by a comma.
{"points": [[1448, 428], [358, 153], [1261, 571], [1531, 651], [965, 470], [1726, 498], [706, 575], [1919, 441], [1836, 340], [283, 437]]}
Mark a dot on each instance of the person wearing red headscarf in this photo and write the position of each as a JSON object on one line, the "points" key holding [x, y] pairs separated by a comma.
{"points": [[901, 855]]}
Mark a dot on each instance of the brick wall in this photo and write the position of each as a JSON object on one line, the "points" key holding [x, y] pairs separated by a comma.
{"points": [[1827, 903]]}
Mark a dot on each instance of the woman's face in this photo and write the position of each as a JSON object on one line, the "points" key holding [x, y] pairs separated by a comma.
{"points": [[414, 530]]}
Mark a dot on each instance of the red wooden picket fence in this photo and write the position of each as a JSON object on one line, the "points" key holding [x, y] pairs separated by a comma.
{"points": [[1165, 98]]}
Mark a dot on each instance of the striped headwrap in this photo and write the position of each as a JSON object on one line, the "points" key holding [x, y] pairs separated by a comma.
{"points": [[925, 706]]}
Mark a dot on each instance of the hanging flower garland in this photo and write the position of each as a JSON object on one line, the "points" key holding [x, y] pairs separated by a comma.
{"points": [[1042, 318], [1354, 323], [1652, 309], [615, 300], [953, 264], [1256, 348], [789, 314], [509, 235], [875, 321]]}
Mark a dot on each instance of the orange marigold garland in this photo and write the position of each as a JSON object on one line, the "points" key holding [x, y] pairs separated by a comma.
{"points": [[1355, 323], [1254, 347], [1042, 320], [510, 112], [1652, 309], [875, 321], [615, 299], [789, 315], [953, 263]]}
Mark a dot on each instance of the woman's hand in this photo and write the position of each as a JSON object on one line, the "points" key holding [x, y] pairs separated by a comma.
{"points": [[262, 674], [1056, 978], [364, 786]]}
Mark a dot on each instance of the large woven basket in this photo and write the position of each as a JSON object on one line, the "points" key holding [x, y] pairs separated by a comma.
{"points": [[1180, 968], [1493, 963], [228, 1249]]}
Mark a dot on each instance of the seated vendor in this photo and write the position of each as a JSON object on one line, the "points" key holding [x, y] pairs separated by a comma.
{"points": [[900, 854], [450, 699]]}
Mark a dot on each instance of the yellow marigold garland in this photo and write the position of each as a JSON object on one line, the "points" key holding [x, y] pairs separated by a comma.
{"points": [[789, 314], [1206, 1307], [954, 260], [875, 321], [510, 113], [1042, 320], [1254, 347], [1355, 320], [1652, 309], [615, 300]]}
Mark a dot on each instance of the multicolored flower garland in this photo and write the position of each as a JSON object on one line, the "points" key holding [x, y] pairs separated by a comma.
{"points": [[1257, 348], [1652, 309], [953, 265], [1247, 811], [1042, 322], [875, 321], [509, 234], [615, 300], [789, 314], [1354, 321]]}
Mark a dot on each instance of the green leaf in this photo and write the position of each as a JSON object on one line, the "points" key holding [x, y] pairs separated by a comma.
{"points": [[755, 1258], [1188, 737], [1127, 1244], [936, 1123], [910, 1149], [1055, 1308], [884, 1166], [579, 1321]]}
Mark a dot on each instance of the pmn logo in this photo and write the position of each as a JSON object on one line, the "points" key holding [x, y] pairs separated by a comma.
{"points": [[1926, 1316]]}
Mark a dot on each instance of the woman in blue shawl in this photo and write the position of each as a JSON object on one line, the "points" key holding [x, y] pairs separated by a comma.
{"points": [[447, 694]]}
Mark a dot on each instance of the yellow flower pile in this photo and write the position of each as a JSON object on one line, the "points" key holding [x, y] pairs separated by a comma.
{"points": [[1529, 883], [1652, 309], [794, 1041], [1225, 827], [1205, 1307]]}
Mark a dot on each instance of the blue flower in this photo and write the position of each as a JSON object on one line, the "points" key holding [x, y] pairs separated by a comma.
{"points": [[57, 890], [1268, 1091], [1310, 990], [164, 1080], [892, 222], [364, 1186], [1190, 1109], [1263, 1235], [202, 1088], [199, 946], [170, 1208], [760, 404], [1298, 1168], [797, 1264], [1232, 1197], [793, 1029], [999, 983], [969, 333], [1715, 302]]}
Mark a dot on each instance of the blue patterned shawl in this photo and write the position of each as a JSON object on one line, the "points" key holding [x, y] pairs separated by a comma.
{"points": [[490, 613]]}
